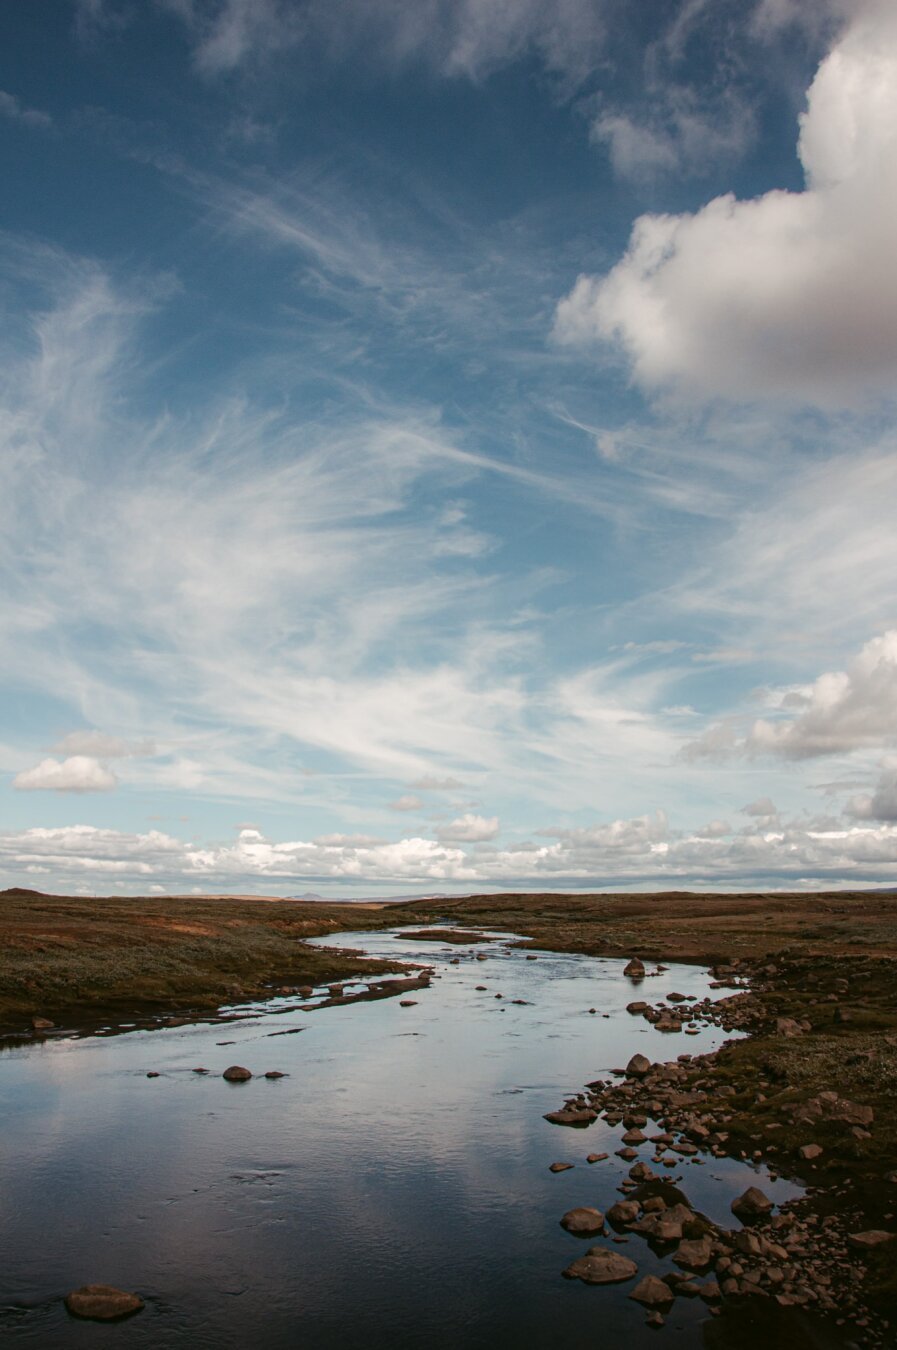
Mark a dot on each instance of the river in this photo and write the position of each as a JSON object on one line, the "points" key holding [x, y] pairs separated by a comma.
{"points": [[393, 1189]]}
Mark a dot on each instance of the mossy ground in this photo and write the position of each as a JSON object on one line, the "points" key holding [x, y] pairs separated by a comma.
{"points": [[68, 958]]}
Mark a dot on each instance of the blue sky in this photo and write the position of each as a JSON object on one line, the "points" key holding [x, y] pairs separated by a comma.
{"points": [[448, 445]]}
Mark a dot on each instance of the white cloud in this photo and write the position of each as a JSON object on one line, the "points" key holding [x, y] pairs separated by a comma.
{"points": [[879, 805], [808, 568], [14, 110], [853, 709], [717, 742], [659, 647], [432, 783], [101, 746], [723, 656], [642, 851], [770, 16], [763, 806], [792, 295], [406, 803], [680, 138], [843, 711], [79, 773], [468, 38], [714, 829], [469, 829], [229, 33]]}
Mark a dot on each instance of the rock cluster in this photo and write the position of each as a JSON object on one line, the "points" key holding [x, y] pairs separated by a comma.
{"points": [[681, 1109]]}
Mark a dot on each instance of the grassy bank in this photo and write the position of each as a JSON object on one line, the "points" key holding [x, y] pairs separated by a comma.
{"points": [[683, 926], [71, 958]]}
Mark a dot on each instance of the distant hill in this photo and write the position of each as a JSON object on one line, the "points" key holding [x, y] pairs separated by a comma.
{"points": [[369, 899]]}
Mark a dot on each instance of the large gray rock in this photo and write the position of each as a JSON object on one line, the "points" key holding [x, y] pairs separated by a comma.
{"points": [[753, 1204], [583, 1220], [667, 1225], [694, 1253], [623, 1212], [641, 1172], [572, 1116], [602, 1266], [237, 1074], [652, 1292], [874, 1237], [102, 1303]]}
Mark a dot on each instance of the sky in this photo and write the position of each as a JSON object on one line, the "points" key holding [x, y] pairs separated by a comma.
{"points": [[448, 445]]}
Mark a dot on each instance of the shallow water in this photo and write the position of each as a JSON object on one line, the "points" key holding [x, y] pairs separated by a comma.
{"points": [[394, 1188]]}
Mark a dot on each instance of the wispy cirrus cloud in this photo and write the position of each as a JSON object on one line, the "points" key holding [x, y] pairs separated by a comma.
{"points": [[682, 134], [14, 110], [101, 745], [471, 38]]}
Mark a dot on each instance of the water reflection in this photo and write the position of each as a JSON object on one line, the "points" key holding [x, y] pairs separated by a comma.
{"points": [[394, 1185]]}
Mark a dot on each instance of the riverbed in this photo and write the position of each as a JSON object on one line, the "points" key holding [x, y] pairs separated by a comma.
{"points": [[393, 1187]]}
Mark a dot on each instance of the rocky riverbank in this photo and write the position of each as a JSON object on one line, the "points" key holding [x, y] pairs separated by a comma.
{"points": [[808, 1093]]}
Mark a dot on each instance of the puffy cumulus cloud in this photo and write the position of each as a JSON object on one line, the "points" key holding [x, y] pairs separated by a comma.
{"points": [[878, 805], [96, 743], [841, 712], [641, 851], [340, 859], [792, 295], [73, 851], [853, 709], [342, 840], [469, 829], [407, 803], [644, 833], [763, 806], [78, 773], [716, 742], [714, 829]]}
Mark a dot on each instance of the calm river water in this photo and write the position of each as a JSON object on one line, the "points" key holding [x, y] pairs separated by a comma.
{"points": [[393, 1190]]}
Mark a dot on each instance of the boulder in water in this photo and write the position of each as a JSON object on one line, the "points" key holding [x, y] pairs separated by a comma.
{"points": [[102, 1303]]}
